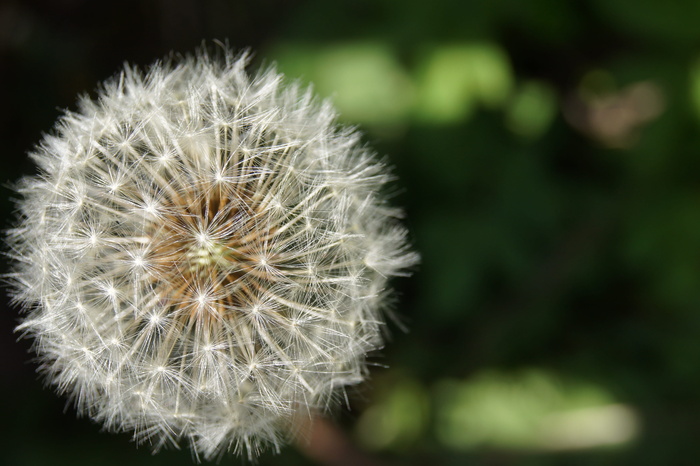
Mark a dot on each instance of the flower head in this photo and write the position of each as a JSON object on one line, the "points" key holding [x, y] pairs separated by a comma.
{"points": [[204, 255]]}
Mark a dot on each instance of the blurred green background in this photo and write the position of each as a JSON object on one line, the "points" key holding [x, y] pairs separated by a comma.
{"points": [[548, 155]]}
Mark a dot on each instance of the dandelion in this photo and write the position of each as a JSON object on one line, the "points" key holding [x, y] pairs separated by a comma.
{"points": [[204, 255]]}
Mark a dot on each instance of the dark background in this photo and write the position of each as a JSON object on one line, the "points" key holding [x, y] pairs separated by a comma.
{"points": [[548, 157]]}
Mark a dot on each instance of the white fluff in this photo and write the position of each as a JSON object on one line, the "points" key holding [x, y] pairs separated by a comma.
{"points": [[204, 255]]}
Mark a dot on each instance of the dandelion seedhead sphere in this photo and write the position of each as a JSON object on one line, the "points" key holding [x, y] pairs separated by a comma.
{"points": [[204, 255]]}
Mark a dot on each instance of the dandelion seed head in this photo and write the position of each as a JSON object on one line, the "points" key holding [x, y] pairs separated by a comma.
{"points": [[201, 255]]}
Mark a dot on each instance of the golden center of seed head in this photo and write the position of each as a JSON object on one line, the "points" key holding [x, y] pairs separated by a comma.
{"points": [[198, 254], [205, 254]]}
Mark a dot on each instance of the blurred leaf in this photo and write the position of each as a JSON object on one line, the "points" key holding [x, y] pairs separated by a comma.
{"points": [[531, 110], [364, 79], [530, 409], [397, 419], [457, 78]]}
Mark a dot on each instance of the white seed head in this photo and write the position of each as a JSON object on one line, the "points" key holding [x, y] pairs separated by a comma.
{"points": [[204, 254]]}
